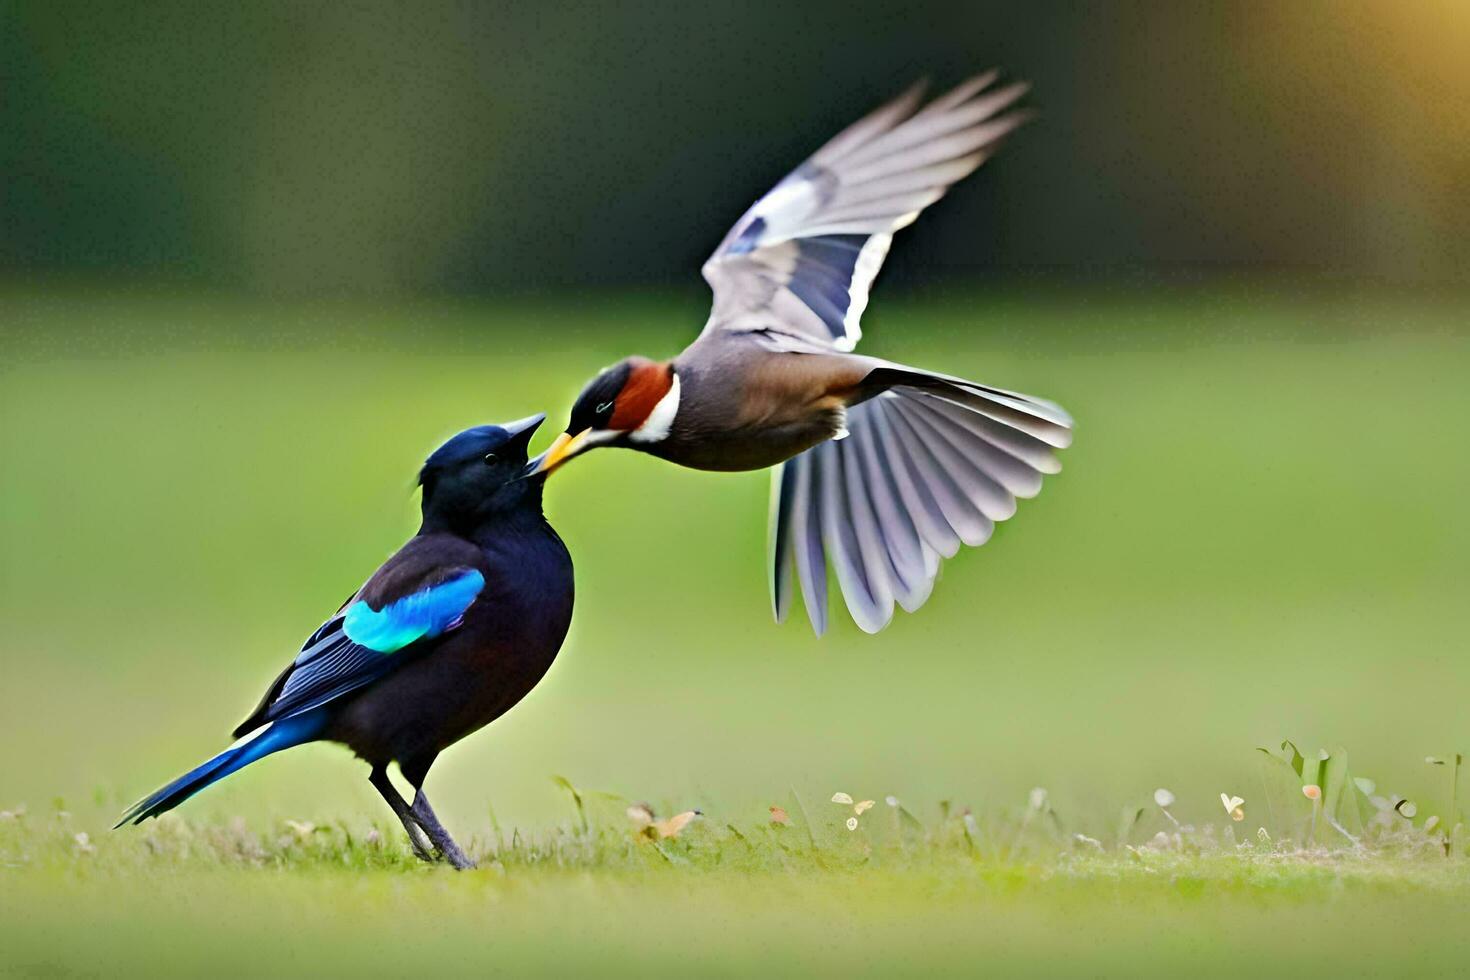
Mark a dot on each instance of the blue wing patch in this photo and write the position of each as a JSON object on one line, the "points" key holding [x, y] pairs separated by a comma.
{"points": [[422, 615]]}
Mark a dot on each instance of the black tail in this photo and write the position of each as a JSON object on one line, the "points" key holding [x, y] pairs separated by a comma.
{"points": [[931, 462], [281, 734]]}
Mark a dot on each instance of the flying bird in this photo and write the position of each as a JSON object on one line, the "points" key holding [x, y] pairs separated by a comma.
{"points": [[445, 637], [882, 468]]}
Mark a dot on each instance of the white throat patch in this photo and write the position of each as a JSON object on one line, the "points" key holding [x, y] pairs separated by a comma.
{"points": [[656, 427]]}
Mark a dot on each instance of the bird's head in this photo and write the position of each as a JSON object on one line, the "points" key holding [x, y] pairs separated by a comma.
{"points": [[632, 404], [478, 473]]}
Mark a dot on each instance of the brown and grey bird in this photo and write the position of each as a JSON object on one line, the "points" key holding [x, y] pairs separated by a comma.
{"points": [[884, 468]]}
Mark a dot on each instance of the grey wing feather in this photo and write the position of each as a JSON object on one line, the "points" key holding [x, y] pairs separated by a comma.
{"points": [[924, 469], [909, 567], [969, 523], [804, 257], [914, 493], [880, 533], [976, 486], [798, 540], [847, 529], [782, 547]]}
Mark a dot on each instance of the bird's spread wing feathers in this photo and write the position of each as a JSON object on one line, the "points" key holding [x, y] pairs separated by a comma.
{"points": [[804, 256], [928, 465], [362, 643]]}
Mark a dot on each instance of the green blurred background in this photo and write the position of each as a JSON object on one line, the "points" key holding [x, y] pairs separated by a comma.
{"points": [[255, 262], [451, 148]]}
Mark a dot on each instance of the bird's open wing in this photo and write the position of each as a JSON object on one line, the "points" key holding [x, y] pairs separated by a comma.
{"points": [[408, 602], [803, 258], [930, 464]]}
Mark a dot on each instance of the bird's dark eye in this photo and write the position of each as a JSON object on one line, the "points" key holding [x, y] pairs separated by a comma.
{"points": [[490, 458]]}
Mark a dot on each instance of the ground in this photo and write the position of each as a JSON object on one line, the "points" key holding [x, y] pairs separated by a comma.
{"points": [[1259, 535], [722, 901]]}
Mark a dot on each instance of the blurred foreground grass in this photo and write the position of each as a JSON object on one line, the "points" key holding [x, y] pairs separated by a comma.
{"points": [[1258, 534]]}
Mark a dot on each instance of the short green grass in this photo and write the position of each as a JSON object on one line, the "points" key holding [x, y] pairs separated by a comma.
{"points": [[1259, 534], [898, 894]]}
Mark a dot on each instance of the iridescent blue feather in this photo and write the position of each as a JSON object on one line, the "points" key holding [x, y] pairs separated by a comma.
{"points": [[422, 615]]}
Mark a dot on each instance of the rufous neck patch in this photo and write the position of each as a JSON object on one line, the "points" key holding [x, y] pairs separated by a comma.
{"points": [[647, 384]]}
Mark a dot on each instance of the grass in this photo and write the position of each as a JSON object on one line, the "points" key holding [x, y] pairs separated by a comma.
{"points": [[1258, 533], [1017, 896], [1094, 919]]}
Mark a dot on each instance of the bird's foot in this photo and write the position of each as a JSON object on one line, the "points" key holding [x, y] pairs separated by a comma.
{"points": [[434, 854], [459, 861], [424, 815]]}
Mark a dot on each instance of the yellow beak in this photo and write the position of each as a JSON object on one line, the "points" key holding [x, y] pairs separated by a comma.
{"points": [[564, 448]]}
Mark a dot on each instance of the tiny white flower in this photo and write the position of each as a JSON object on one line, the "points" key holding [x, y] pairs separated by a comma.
{"points": [[891, 800], [852, 823], [84, 843], [1163, 797], [1312, 791], [1038, 798], [863, 807], [842, 798], [301, 828], [1234, 806]]}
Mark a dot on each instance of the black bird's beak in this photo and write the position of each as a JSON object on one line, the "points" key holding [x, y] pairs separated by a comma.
{"points": [[525, 427], [520, 432], [534, 467]]}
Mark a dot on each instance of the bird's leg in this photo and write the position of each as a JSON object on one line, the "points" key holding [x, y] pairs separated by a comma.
{"points": [[424, 814], [421, 849]]}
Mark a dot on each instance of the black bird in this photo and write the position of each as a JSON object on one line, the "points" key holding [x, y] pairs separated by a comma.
{"points": [[883, 468], [444, 638]]}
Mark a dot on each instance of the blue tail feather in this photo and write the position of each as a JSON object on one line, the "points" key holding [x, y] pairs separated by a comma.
{"points": [[280, 734]]}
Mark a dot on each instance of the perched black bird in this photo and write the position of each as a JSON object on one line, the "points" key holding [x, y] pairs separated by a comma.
{"points": [[883, 467], [444, 638]]}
